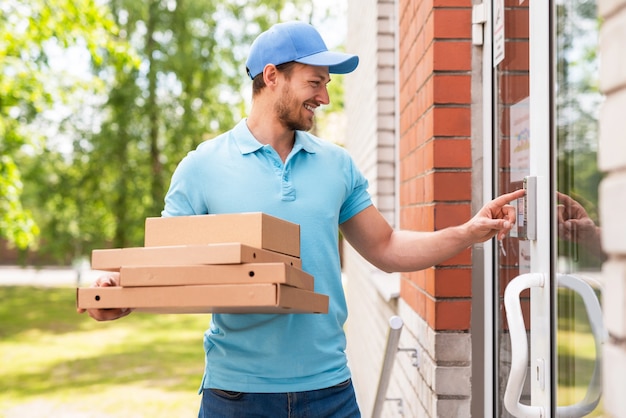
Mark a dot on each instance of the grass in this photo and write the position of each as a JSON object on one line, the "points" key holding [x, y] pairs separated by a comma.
{"points": [[57, 363], [576, 351]]}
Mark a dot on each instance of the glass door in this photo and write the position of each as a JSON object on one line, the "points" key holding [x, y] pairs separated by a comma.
{"points": [[579, 255], [547, 316], [524, 286]]}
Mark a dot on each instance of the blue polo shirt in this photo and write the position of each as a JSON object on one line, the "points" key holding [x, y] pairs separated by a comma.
{"points": [[317, 187]]}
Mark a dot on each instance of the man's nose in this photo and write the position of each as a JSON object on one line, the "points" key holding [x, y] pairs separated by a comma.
{"points": [[323, 97]]}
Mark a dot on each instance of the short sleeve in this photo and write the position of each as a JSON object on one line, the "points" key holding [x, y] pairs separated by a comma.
{"points": [[359, 198]]}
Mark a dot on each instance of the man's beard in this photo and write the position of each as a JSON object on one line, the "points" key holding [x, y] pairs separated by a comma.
{"points": [[289, 112]]}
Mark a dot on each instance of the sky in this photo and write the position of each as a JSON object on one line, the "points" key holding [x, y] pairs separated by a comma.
{"points": [[329, 16]]}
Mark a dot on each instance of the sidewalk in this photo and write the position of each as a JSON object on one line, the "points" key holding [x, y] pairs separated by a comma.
{"points": [[46, 276]]}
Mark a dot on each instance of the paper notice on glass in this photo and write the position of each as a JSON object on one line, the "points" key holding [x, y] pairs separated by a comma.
{"points": [[519, 151], [498, 32]]}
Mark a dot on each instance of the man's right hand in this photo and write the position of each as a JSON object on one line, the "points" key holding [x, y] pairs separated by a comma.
{"points": [[111, 279]]}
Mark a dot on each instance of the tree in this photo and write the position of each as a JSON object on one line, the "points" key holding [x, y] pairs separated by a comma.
{"points": [[578, 101], [189, 86], [28, 29]]}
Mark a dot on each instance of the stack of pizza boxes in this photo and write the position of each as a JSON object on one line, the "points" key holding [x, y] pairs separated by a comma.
{"points": [[228, 263]]}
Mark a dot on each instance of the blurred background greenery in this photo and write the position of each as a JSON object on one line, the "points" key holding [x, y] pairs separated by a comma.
{"points": [[56, 363], [100, 100]]}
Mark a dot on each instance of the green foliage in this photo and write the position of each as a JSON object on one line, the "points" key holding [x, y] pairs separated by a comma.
{"points": [[163, 77], [578, 100], [16, 223], [28, 30]]}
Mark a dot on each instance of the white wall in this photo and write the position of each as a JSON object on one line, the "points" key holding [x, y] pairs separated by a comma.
{"points": [[370, 138], [612, 160]]}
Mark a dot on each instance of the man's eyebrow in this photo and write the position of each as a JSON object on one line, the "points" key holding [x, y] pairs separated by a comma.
{"points": [[322, 78]]}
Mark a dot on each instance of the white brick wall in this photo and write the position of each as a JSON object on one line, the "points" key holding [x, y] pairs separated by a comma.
{"points": [[614, 307], [370, 113], [610, 154], [441, 385], [612, 160]]}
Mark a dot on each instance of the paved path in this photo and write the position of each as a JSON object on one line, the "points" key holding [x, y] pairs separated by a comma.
{"points": [[46, 276]]}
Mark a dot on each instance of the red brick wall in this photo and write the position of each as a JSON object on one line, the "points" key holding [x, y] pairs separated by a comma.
{"points": [[435, 152]]}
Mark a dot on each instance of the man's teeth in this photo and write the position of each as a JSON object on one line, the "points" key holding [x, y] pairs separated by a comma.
{"points": [[311, 108]]}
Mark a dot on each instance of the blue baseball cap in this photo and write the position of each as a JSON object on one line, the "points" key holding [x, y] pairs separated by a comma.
{"points": [[299, 42]]}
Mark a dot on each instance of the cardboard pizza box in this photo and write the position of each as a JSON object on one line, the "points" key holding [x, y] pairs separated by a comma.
{"points": [[248, 273], [177, 255], [236, 298], [255, 229]]}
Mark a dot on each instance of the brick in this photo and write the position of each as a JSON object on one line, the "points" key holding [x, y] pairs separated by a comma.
{"points": [[517, 22], [449, 315], [386, 91], [413, 297], [452, 186], [612, 204], [452, 381], [614, 360], [517, 89], [613, 60], [452, 56], [427, 126], [430, 314], [417, 217], [452, 3], [426, 65], [452, 408], [452, 121], [385, 9], [456, 282], [452, 89], [386, 122], [614, 273], [452, 153], [386, 42], [452, 23], [453, 347], [516, 56], [464, 258], [611, 155], [425, 279]]}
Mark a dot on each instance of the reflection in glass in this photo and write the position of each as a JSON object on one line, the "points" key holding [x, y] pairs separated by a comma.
{"points": [[578, 247], [579, 256], [513, 140]]}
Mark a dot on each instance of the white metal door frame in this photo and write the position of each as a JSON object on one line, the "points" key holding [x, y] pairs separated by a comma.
{"points": [[488, 190], [542, 249], [542, 332]]}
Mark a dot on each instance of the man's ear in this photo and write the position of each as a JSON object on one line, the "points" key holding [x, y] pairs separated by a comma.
{"points": [[270, 75]]}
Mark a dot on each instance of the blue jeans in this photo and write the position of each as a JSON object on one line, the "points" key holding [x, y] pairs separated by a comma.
{"points": [[335, 402]]}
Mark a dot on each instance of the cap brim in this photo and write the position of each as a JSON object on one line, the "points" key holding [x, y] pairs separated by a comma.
{"points": [[337, 62]]}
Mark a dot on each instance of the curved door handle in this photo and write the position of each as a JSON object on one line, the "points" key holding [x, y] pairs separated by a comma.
{"points": [[519, 345], [594, 313]]}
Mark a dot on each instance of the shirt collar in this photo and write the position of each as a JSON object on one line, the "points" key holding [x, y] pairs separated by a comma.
{"points": [[247, 143]]}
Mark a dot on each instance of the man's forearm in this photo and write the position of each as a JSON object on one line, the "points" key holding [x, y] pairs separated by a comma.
{"points": [[413, 250]]}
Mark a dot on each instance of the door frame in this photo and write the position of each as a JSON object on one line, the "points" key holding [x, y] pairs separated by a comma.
{"points": [[543, 249]]}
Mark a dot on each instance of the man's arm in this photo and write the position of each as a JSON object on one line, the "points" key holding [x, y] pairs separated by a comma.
{"points": [[394, 250]]}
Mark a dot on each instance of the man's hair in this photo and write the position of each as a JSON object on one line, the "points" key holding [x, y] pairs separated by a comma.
{"points": [[258, 83]]}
